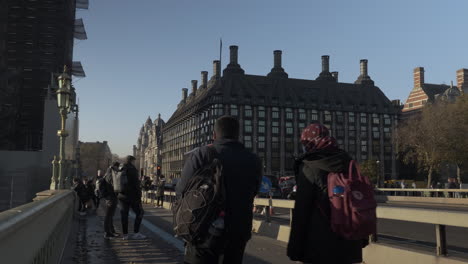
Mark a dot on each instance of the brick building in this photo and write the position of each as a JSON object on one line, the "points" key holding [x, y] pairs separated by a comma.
{"points": [[423, 92], [273, 109]]}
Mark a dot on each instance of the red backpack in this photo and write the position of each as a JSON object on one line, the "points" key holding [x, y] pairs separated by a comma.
{"points": [[352, 204]]}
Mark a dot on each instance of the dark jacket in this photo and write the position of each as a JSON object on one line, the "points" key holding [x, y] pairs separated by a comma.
{"points": [[132, 191], [311, 238], [242, 172], [107, 189], [160, 188], [81, 191]]}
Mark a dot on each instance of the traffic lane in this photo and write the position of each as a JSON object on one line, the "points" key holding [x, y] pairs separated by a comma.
{"points": [[456, 236], [259, 249]]}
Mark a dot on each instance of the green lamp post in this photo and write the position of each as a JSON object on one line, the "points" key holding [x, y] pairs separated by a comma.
{"points": [[64, 105]]}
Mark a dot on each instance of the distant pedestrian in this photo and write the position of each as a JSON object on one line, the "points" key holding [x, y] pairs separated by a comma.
{"points": [[97, 196], [82, 194], [241, 174], [89, 191], [105, 185], [312, 239], [130, 197], [160, 192]]}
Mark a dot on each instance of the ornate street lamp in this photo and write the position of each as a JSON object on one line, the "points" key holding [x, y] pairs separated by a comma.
{"points": [[64, 104]]}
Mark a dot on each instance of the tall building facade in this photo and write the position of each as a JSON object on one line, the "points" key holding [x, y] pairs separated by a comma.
{"points": [[274, 109], [36, 41], [148, 150]]}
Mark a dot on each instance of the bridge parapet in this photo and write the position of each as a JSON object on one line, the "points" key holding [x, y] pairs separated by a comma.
{"points": [[37, 232]]}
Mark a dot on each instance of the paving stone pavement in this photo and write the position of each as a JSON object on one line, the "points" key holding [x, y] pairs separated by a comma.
{"points": [[93, 248]]}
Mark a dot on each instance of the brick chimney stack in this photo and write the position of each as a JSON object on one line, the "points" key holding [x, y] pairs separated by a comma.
{"points": [[233, 67], [216, 69], [277, 58], [325, 63], [277, 70], [204, 79], [418, 74], [184, 94], [363, 66], [233, 54], [194, 87], [462, 80]]}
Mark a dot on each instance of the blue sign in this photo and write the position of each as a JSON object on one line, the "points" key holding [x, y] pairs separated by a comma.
{"points": [[266, 185]]}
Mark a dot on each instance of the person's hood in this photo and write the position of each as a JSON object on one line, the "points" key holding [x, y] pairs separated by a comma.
{"points": [[331, 162]]}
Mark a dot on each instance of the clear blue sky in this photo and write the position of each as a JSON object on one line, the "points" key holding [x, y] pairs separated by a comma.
{"points": [[140, 53]]}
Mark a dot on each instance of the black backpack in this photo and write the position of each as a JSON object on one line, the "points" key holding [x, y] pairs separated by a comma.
{"points": [[201, 202]]}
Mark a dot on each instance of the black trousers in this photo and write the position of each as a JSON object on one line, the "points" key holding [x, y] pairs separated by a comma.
{"points": [[96, 201], [137, 208], [111, 206], [215, 253], [160, 199], [81, 205]]}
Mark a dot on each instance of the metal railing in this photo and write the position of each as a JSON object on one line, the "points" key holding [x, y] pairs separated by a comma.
{"points": [[439, 218], [37, 232], [422, 192]]}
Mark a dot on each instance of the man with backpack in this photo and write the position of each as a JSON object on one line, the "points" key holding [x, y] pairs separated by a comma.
{"points": [[105, 188], [127, 184], [325, 228], [234, 174]]}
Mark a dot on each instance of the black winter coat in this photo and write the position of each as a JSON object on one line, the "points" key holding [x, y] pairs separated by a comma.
{"points": [[311, 239], [242, 172], [132, 191]]}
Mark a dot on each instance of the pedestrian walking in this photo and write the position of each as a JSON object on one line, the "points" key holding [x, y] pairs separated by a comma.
{"points": [[106, 191], [160, 191], [312, 239], [82, 194], [130, 197], [89, 187], [241, 174], [97, 196]]}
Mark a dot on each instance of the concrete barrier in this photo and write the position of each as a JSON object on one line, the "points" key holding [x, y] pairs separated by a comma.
{"points": [[37, 232]]}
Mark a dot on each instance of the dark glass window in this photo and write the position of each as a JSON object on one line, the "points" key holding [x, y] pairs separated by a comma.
{"points": [[261, 126], [275, 143], [339, 117], [363, 145], [248, 141], [327, 116], [352, 131], [387, 133], [340, 131], [363, 132], [234, 110], [248, 126], [375, 132], [261, 142], [248, 111], [351, 118], [375, 119], [314, 117], [289, 113], [363, 118], [275, 112], [376, 147], [387, 120], [302, 115], [275, 127], [261, 112], [289, 128], [352, 146]]}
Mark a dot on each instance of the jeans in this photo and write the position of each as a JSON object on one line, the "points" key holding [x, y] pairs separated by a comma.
{"points": [[137, 208], [111, 206], [231, 253], [160, 199]]}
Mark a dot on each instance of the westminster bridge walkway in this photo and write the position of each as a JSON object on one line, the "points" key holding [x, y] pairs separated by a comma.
{"points": [[412, 229]]}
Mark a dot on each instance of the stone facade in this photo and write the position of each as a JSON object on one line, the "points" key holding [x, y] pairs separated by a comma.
{"points": [[148, 151], [273, 110]]}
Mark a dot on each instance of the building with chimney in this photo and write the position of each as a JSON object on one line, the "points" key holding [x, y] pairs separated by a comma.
{"points": [[273, 110], [148, 150], [423, 92]]}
